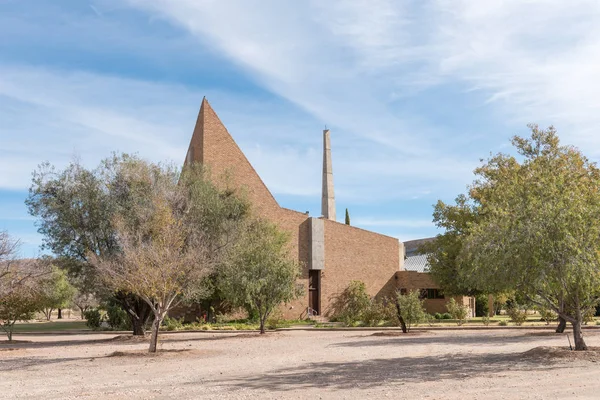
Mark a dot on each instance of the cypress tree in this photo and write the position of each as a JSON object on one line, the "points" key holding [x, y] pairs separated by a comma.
{"points": [[347, 217]]}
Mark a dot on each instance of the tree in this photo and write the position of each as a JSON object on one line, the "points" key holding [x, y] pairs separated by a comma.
{"points": [[458, 311], [76, 209], [539, 227], [20, 305], [84, 301], [163, 255], [409, 309], [350, 305], [442, 253], [260, 273], [347, 217], [55, 292]]}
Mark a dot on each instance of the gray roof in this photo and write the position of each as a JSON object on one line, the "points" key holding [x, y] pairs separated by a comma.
{"points": [[416, 263]]}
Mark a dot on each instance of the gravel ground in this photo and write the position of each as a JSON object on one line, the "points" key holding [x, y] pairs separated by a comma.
{"points": [[498, 364]]}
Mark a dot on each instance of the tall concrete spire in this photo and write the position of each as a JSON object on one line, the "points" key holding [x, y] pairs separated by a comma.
{"points": [[328, 195]]}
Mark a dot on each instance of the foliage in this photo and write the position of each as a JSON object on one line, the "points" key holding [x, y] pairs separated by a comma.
{"points": [[537, 227], [437, 315], [55, 291], [16, 273], [485, 320], [164, 256], [172, 324], [379, 310], [83, 301], [503, 323], [546, 314], [446, 316], [410, 310], [517, 314], [116, 317], [18, 305], [459, 312], [75, 209], [93, 318], [350, 305], [442, 253], [481, 305], [347, 218], [260, 274]]}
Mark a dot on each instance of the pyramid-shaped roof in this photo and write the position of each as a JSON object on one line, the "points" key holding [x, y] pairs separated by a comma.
{"points": [[213, 146]]}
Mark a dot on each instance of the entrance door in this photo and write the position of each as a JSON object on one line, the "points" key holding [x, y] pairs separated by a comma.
{"points": [[314, 290]]}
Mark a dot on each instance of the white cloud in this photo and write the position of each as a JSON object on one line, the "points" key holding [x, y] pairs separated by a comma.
{"points": [[343, 61]]}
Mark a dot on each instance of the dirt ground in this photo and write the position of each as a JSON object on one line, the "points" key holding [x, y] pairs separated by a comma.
{"points": [[498, 364]]}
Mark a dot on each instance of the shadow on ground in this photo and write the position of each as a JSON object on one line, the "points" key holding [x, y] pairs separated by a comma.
{"points": [[372, 373], [433, 338]]}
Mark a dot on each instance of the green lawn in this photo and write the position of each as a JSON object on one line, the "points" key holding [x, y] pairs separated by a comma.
{"points": [[52, 326]]}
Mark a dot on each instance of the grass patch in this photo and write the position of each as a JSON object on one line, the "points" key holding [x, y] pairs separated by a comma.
{"points": [[51, 326]]}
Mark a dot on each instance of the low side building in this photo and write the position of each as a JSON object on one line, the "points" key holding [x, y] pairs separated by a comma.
{"points": [[414, 275]]}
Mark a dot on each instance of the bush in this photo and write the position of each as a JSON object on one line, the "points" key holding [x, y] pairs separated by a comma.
{"points": [[172, 324], [411, 309], [93, 318], [517, 315], [485, 320], [446, 316], [437, 315], [503, 323], [117, 318], [350, 306], [547, 315], [481, 305], [458, 312], [378, 311], [588, 315]]}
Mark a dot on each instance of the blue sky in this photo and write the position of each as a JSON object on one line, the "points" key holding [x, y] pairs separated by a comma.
{"points": [[414, 92]]}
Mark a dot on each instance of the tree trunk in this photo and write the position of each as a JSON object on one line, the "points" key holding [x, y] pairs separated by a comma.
{"points": [[578, 336], [137, 309], [48, 313], [562, 324], [262, 325], [401, 319], [60, 313], [9, 332], [154, 338]]}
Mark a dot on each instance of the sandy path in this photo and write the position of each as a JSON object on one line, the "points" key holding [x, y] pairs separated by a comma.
{"points": [[299, 364]]}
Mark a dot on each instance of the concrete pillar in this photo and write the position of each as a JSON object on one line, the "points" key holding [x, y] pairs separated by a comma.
{"points": [[328, 195]]}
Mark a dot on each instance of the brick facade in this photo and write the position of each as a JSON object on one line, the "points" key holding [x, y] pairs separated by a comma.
{"points": [[350, 253], [412, 280]]}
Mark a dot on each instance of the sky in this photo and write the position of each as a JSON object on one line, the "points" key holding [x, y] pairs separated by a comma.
{"points": [[415, 92]]}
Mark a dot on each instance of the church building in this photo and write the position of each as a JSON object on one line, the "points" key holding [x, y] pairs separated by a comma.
{"points": [[331, 254]]}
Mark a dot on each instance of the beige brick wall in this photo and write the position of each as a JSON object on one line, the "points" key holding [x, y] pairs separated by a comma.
{"points": [[350, 253], [356, 254]]}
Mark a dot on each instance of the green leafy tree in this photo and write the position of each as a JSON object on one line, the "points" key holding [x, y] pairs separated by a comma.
{"points": [[459, 312], [55, 292], [164, 255], [442, 253], [410, 310], [539, 227], [351, 304], [77, 207], [347, 220], [20, 304], [260, 274]]}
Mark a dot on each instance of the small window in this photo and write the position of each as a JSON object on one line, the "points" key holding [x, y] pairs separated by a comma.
{"points": [[435, 294]]}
